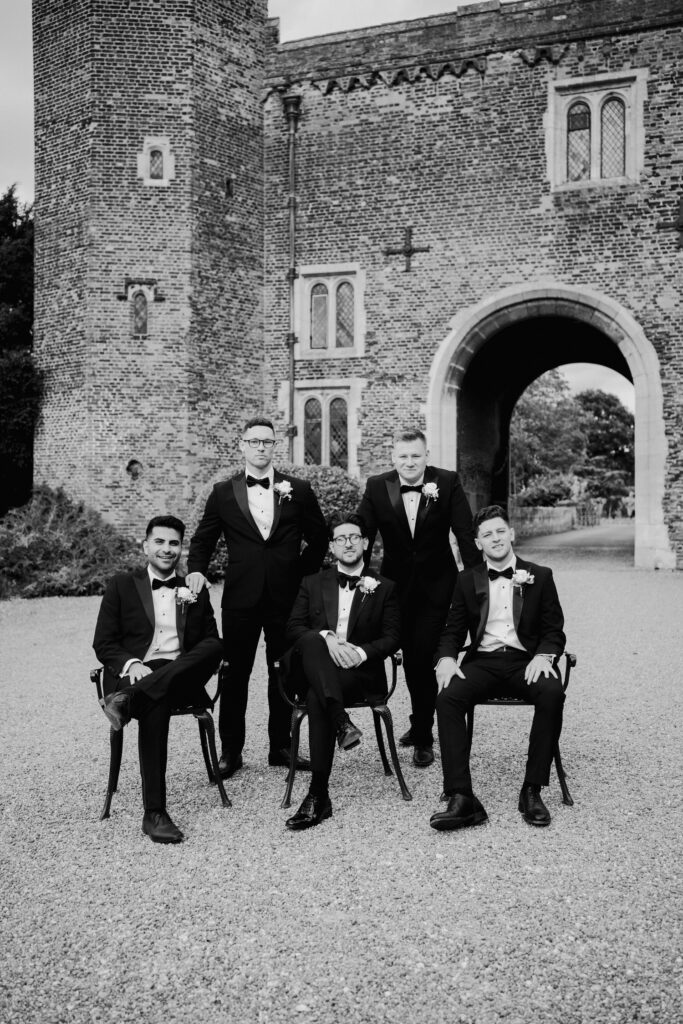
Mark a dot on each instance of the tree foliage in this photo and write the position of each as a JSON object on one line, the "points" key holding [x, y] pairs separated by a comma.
{"points": [[546, 431], [16, 272]]}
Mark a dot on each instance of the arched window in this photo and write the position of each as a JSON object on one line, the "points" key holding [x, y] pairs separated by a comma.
{"points": [[156, 164], [345, 315], [140, 313], [578, 142], [319, 316], [339, 434], [313, 430], [613, 139]]}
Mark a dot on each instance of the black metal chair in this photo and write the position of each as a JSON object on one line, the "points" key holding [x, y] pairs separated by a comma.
{"points": [[380, 713], [570, 662], [207, 737]]}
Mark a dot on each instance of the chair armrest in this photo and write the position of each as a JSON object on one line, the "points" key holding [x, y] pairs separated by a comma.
{"points": [[569, 663], [281, 680], [96, 678], [396, 660]]}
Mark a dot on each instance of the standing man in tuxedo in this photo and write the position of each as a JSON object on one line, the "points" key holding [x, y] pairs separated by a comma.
{"points": [[512, 613], [264, 517], [159, 647], [414, 507], [342, 627]]}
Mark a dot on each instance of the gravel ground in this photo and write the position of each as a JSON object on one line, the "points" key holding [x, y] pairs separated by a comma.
{"points": [[372, 916]]}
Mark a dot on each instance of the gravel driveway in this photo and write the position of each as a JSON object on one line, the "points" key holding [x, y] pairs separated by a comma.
{"points": [[372, 916]]}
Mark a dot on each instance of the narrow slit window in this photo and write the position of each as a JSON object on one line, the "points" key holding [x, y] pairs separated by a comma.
{"points": [[140, 314], [319, 301], [613, 139], [578, 142], [313, 432], [156, 164]]}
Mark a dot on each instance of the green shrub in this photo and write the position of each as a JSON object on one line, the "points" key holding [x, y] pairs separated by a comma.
{"points": [[55, 546], [335, 490], [21, 390]]}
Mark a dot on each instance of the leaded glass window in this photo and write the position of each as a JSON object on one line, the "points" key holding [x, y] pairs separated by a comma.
{"points": [[140, 313], [578, 142], [339, 434], [345, 315], [613, 139], [156, 164], [319, 300], [313, 432]]}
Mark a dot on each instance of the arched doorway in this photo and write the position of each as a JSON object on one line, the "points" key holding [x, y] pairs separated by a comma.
{"points": [[495, 349]]}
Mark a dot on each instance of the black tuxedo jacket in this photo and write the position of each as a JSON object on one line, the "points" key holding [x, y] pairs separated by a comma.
{"points": [[125, 623], [536, 613], [422, 565], [374, 622], [261, 567]]}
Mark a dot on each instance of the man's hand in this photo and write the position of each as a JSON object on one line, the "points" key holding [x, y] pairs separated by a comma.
{"points": [[196, 582], [137, 670], [343, 654], [445, 670], [539, 665]]}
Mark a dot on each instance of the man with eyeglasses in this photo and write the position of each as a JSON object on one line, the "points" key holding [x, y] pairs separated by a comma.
{"points": [[264, 516], [342, 627], [415, 507]]}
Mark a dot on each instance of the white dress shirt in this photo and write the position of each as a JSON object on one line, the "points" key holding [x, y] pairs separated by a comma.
{"points": [[500, 629], [262, 502], [411, 500]]}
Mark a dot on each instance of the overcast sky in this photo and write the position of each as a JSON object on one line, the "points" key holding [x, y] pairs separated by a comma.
{"points": [[298, 19]]}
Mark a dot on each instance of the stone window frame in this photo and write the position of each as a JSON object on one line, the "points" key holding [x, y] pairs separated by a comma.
{"points": [[331, 275], [630, 86], [151, 144], [326, 389]]}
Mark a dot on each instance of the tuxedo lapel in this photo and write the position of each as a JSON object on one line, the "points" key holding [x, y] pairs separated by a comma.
{"points": [[481, 590], [354, 611], [277, 503], [180, 620], [330, 591], [518, 597], [393, 486], [423, 507], [239, 486], [144, 589]]}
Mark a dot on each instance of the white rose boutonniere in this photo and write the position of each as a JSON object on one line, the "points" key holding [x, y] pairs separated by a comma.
{"points": [[184, 596], [368, 585], [521, 579], [431, 492], [283, 489]]}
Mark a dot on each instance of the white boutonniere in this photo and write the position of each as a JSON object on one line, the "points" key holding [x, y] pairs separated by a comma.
{"points": [[283, 489], [184, 596], [431, 492], [368, 585], [521, 579]]}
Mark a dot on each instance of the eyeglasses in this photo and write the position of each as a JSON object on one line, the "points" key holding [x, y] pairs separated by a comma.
{"points": [[350, 538], [256, 442]]}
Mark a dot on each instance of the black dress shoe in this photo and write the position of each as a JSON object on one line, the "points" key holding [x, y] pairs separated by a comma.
{"points": [[423, 756], [160, 829], [462, 812], [281, 759], [532, 807], [348, 735], [313, 810], [227, 766], [117, 709], [406, 740]]}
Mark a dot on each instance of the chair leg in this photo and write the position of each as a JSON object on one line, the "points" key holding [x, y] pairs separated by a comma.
{"points": [[385, 714], [115, 754], [566, 795], [298, 714], [205, 749], [206, 724], [380, 741]]}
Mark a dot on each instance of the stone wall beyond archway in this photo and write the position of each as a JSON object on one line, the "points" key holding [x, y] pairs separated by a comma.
{"points": [[472, 328]]}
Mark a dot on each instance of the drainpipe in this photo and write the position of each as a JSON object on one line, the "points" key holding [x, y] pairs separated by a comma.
{"points": [[292, 110]]}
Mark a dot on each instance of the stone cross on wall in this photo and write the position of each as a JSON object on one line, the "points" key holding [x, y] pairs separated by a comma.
{"points": [[407, 249]]}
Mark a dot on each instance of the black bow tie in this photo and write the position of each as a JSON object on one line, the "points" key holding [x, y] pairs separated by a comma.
{"points": [[344, 580], [172, 582], [406, 488], [253, 481], [507, 573]]}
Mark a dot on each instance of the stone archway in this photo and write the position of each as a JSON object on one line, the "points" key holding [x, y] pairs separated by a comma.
{"points": [[568, 324]]}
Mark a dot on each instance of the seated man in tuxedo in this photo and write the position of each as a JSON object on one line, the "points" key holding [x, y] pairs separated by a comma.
{"points": [[512, 613], [159, 646], [342, 626]]}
